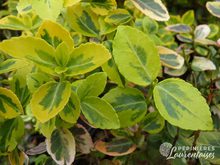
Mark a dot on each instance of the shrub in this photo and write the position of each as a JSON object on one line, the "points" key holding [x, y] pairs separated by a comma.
{"points": [[106, 82]]}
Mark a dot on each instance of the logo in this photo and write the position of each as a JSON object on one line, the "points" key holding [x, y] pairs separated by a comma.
{"points": [[201, 151], [165, 149]]}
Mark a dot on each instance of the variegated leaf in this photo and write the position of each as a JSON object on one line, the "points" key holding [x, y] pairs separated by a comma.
{"points": [[39, 149], [129, 103], [18, 157], [136, 56], [21, 47], [206, 42], [117, 147], [149, 25], [16, 23], [68, 3], [54, 34], [110, 67], [202, 64], [19, 86], [35, 80], [99, 113], [214, 8], [112, 71], [202, 31], [100, 7], [12, 64], [170, 58], [105, 28], [89, 86], [24, 6], [10, 139], [71, 111], [152, 8], [212, 139], [175, 72], [118, 16], [77, 38], [10, 106], [61, 147], [83, 20], [184, 37], [47, 128], [49, 100], [62, 56], [214, 30], [153, 123], [188, 17], [181, 105], [179, 28], [86, 58], [83, 139], [49, 9]]}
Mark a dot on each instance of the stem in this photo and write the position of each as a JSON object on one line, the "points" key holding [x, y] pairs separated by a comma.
{"points": [[176, 137], [196, 136]]}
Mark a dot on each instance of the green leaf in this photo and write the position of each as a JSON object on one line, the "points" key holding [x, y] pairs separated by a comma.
{"points": [[116, 147], [202, 31], [61, 146], [170, 58], [181, 105], [152, 8], [54, 34], [83, 20], [49, 100], [179, 28], [49, 9], [11, 131], [118, 16], [100, 7], [86, 58], [12, 64], [202, 64], [21, 47], [71, 111], [153, 123], [99, 113], [214, 8], [89, 86], [136, 55], [10, 106], [129, 104], [188, 17]]}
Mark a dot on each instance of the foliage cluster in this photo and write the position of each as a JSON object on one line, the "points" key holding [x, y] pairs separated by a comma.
{"points": [[106, 82]]}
